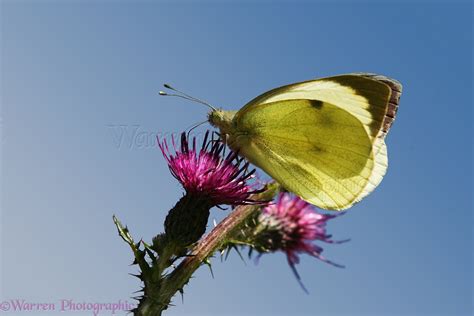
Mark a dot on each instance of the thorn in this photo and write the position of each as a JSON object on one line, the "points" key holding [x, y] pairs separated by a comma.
{"points": [[139, 276], [182, 295], [222, 254], [138, 291], [208, 263], [240, 255], [162, 93], [228, 252]]}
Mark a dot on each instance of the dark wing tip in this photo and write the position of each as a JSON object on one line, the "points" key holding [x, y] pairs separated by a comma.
{"points": [[396, 91]]}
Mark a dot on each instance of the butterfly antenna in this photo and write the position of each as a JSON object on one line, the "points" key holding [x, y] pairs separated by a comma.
{"points": [[184, 96]]}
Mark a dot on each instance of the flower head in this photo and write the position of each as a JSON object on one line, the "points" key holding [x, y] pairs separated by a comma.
{"points": [[208, 172], [292, 226]]}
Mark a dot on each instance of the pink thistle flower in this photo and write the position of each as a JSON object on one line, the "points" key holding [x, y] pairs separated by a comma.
{"points": [[293, 226], [208, 173]]}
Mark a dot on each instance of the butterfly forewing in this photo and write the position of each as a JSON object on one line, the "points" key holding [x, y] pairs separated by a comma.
{"points": [[321, 139]]}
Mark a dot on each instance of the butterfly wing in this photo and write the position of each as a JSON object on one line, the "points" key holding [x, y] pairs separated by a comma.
{"points": [[321, 139], [372, 98]]}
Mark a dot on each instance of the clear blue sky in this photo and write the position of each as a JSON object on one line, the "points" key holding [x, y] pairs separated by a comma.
{"points": [[76, 76]]}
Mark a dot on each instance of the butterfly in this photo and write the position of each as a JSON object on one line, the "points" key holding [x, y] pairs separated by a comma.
{"points": [[322, 139]]}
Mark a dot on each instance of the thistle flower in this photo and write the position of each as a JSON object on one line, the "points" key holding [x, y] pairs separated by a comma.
{"points": [[290, 225], [210, 178], [208, 173], [293, 226]]}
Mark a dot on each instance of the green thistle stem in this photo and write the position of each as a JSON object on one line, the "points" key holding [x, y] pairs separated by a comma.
{"points": [[159, 287]]}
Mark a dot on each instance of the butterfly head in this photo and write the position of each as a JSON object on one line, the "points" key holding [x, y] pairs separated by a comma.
{"points": [[221, 119]]}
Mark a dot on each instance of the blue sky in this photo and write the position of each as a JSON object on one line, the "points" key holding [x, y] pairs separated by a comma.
{"points": [[77, 75]]}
